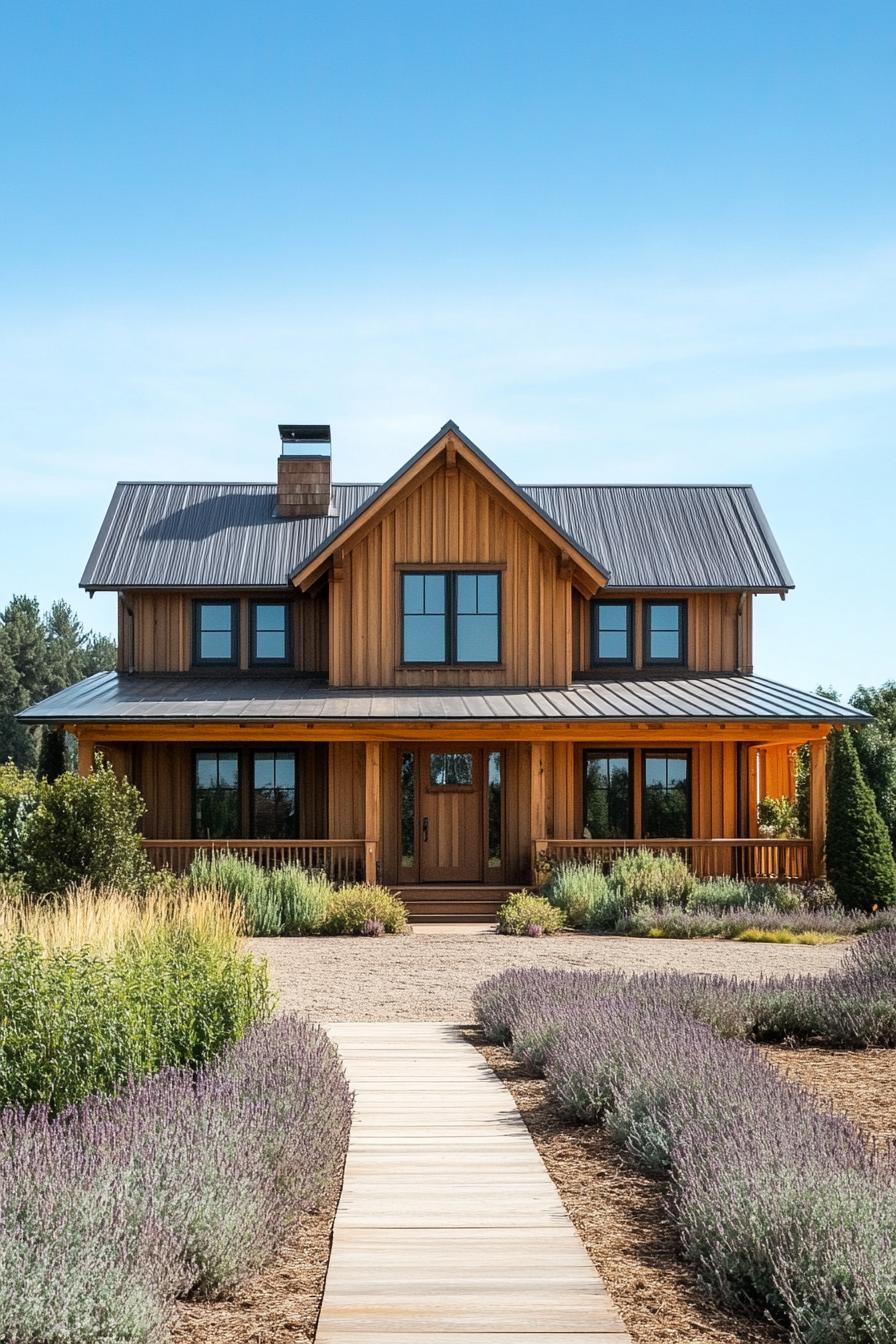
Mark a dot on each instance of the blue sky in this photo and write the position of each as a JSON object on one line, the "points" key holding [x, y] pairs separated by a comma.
{"points": [[614, 242]]}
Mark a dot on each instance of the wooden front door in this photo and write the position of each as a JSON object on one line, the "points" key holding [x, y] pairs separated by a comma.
{"points": [[450, 815]]}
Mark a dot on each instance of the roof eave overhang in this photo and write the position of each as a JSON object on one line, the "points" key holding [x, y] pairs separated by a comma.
{"points": [[587, 574]]}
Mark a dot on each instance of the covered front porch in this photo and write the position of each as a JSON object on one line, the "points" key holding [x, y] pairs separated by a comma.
{"points": [[448, 815]]}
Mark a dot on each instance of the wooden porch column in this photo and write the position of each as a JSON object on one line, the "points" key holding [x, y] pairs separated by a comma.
{"points": [[537, 800], [818, 800], [86, 748], [371, 808]]}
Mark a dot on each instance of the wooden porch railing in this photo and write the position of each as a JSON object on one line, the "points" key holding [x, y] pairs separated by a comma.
{"points": [[341, 860], [763, 860]]}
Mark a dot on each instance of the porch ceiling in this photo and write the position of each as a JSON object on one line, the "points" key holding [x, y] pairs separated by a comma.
{"points": [[119, 699]]}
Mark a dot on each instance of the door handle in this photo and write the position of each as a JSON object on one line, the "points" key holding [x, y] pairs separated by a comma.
{"points": [[425, 829]]}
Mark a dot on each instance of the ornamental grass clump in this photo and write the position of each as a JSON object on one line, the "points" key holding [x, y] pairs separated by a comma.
{"points": [[182, 1184], [245, 885], [302, 897], [102, 987]]}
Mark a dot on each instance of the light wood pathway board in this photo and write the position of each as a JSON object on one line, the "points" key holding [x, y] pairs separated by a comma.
{"points": [[449, 1224]]}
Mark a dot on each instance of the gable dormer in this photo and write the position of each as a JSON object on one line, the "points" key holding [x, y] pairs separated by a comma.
{"points": [[451, 576]]}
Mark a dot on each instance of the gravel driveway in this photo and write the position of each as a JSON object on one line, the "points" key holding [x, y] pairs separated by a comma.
{"points": [[429, 975]]}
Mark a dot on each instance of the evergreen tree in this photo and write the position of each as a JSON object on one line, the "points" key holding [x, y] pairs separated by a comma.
{"points": [[65, 640], [39, 656], [54, 754], [100, 654], [23, 646], [859, 858]]}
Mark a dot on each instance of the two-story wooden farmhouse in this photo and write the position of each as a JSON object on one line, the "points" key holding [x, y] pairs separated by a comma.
{"points": [[436, 680]]}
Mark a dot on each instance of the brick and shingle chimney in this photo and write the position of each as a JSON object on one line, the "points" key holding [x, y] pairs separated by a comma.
{"points": [[303, 471]]}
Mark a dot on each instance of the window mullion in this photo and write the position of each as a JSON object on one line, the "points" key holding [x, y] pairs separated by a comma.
{"points": [[451, 615]]}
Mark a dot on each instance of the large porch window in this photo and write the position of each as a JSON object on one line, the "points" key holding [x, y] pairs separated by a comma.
{"points": [[608, 795], [666, 798], [216, 795], [274, 795]]}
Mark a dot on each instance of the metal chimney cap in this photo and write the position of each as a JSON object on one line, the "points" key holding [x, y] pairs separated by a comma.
{"points": [[304, 433]]}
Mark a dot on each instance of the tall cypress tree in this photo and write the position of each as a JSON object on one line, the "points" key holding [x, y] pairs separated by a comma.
{"points": [[859, 858], [53, 759]]}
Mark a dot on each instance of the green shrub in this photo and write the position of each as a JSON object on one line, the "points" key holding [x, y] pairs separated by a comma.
{"points": [[84, 829], [859, 856], [302, 898], [351, 907], [661, 879], [75, 1022], [18, 799], [778, 817], [522, 914], [575, 888]]}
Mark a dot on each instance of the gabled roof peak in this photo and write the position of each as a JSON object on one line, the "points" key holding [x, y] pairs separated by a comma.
{"points": [[588, 570]]}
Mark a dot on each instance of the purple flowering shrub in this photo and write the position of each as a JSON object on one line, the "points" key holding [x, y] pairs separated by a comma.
{"points": [[782, 1206], [182, 1184], [851, 1006]]}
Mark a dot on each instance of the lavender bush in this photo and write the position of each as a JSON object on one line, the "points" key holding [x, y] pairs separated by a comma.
{"points": [[781, 1206], [182, 1184]]}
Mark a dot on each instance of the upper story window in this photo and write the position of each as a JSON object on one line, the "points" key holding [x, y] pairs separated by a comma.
{"points": [[451, 617], [270, 633], [665, 632], [215, 633], [611, 632]]}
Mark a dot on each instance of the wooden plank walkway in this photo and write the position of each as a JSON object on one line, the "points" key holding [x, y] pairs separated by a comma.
{"points": [[449, 1224]]}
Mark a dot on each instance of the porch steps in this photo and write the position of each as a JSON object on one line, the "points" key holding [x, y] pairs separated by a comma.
{"points": [[432, 904]]}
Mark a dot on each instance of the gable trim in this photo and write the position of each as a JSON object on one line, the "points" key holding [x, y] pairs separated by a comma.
{"points": [[589, 572]]}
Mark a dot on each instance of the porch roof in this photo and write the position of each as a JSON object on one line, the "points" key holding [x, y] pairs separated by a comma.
{"points": [[116, 697]]}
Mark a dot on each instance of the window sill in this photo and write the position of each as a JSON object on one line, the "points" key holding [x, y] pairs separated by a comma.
{"points": [[450, 667]]}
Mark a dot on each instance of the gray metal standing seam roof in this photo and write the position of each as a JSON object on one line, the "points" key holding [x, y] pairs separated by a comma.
{"points": [[166, 534], [110, 697], [195, 534]]}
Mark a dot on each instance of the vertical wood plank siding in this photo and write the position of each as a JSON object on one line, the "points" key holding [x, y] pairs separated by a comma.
{"points": [[712, 632], [163, 629], [450, 518]]}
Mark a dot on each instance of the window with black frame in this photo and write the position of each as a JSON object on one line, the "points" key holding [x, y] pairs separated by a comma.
{"points": [[274, 812], [665, 633], [611, 632], [450, 617], [607, 779], [216, 795], [666, 800], [215, 633], [270, 633]]}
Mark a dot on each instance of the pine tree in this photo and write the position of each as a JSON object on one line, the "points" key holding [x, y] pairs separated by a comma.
{"points": [[23, 643], [859, 858]]}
